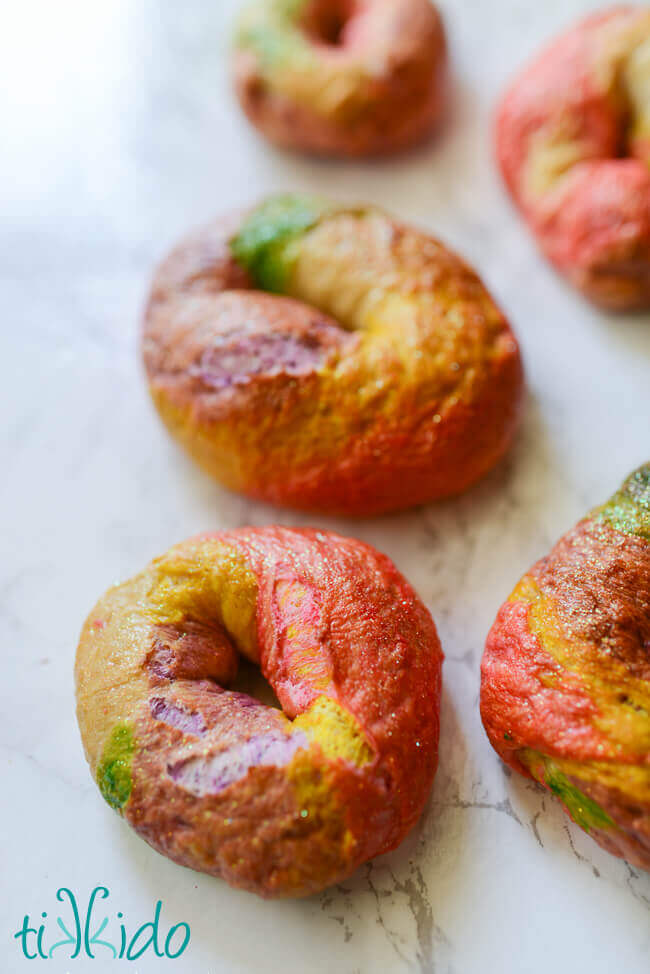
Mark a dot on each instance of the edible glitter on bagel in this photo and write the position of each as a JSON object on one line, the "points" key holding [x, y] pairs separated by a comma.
{"points": [[330, 358], [573, 143], [565, 677], [281, 802], [341, 77]]}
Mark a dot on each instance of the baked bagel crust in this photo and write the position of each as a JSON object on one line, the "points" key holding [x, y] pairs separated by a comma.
{"points": [[380, 374], [573, 143], [341, 77], [278, 802], [565, 678]]}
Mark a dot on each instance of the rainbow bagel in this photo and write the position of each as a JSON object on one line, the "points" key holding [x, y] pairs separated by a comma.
{"points": [[279, 803], [573, 142], [565, 678], [341, 77], [383, 376]]}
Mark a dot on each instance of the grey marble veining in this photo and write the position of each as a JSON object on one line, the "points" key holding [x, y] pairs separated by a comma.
{"points": [[119, 133]]}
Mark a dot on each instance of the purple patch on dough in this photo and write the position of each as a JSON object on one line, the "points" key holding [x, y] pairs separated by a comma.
{"points": [[243, 699], [160, 661], [236, 358], [209, 776], [185, 720]]}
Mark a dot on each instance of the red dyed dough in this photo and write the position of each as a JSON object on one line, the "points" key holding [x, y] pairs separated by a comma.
{"points": [[379, 373], [342, 77], [573, 144], [282, 804], [565, 676]]}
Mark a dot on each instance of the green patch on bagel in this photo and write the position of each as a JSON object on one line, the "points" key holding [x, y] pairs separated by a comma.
{"points": [[114, 771], [584, 811], [628, 511], [263, 243], [269, 31]]}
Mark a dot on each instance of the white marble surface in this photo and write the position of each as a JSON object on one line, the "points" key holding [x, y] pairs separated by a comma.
{"points": [[119, 132]]}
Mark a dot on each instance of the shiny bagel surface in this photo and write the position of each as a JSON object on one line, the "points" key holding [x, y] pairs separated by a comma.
{"points": [[278, 802], [565, 688], [330, 358]]}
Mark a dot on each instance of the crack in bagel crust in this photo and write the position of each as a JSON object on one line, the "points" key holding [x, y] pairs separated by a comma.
{"points": [[341, 77], [279, 802], [565, 677], [573, 142], [330, 358]]}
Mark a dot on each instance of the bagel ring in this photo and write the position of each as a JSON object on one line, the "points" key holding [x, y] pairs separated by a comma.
{"points": [[565, 678], [278, 802], [341, 77], [380, 374], [573, 143]]}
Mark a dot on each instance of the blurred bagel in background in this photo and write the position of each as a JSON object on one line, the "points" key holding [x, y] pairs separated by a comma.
{"points": [[341, 77], [573, 144]]}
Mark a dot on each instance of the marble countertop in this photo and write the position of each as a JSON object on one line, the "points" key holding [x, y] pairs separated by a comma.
{"points": [[120, 132]]}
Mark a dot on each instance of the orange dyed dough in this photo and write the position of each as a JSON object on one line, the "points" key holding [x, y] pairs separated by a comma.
{"points": [[573, 143], [330, 358], [278, 802], [341, 77]]}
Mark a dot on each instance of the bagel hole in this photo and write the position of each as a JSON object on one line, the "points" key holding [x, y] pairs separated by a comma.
{"points": [[325, 22], [249, 680]]}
